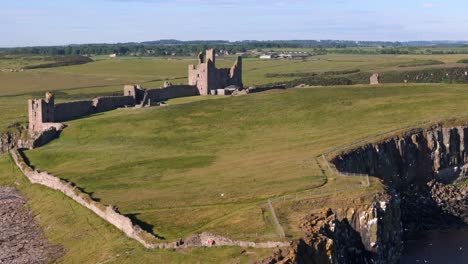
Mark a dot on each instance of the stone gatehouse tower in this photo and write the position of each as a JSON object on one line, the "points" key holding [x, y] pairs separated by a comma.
{"points": [[41, 111], [207, 77]]}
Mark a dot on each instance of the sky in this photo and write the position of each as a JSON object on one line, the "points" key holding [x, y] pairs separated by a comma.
{"points": [[62, 22]]}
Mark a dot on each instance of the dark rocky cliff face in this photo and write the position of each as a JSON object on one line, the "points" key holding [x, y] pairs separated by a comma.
{"points": [[414, 159], [368, 234], [412, 164], [419, 168]]}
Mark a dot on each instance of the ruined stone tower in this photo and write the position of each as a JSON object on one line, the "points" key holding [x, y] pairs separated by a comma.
{"points": [[41, 111], [207, 77]]}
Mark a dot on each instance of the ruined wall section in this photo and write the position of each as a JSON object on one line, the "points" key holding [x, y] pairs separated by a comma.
{"points": [[108, 213], [207, 77], [216, 78], [73, 110], [235, 73], [163, 94], [198, 76], [135, 91], [40, 111], [211, 56], [103, 104], [25, 139]]}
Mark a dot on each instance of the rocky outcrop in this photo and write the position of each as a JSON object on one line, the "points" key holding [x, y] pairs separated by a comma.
{"points": [[412, 159], [21, 239], [20, 138], [370, 234], [451, 199], [13, 139]]}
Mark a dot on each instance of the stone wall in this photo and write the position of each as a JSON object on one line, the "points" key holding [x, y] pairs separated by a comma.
{"points": [[135, 91], [72, 110], [163, 94], [103, 104], [107, 213], [50, 132]]}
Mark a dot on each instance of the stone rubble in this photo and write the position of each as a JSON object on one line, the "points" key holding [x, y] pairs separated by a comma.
{"points": [[21, 240]]}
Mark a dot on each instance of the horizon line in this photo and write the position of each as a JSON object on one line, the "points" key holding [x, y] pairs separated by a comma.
{"points": [[446, 41]]}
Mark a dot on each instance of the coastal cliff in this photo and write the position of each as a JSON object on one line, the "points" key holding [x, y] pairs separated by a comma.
{"points": [[425, 172], [369, 234], [423, 166]]}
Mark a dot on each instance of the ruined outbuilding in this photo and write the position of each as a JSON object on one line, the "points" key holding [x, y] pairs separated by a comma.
{"points": [[207, 78], [374, 79]]}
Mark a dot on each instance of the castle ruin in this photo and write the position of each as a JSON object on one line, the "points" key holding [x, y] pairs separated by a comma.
{"points": [[204, 79], [207, 78]]}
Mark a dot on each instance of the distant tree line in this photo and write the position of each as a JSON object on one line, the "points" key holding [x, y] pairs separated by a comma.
{"points": [[184, 48], [188, 48]]}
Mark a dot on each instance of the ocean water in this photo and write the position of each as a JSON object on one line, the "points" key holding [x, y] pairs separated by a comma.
{"points": [[438, 247]]}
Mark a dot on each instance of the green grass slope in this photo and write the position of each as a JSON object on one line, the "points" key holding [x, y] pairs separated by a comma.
{"points": [[86, 238], [207, 165]]}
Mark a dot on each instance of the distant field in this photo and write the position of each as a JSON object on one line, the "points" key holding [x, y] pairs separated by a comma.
{"points": [[153, 72], [107, 76]]}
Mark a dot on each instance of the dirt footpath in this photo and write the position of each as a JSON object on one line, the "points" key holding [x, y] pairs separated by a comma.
{"points": [[21, 240]]}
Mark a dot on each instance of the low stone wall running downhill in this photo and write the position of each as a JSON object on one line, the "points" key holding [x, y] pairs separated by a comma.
{"points": [[123, 223], [107, 213]]}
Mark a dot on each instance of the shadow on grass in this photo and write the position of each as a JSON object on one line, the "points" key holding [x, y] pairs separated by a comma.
{"points": [[145, 226]]}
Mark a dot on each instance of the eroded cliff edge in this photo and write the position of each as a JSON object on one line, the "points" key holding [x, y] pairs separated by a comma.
{"points": [[425, 171], [360, 235], [426, 167]]}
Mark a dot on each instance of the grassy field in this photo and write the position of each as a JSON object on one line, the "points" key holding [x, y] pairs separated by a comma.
{"points": [[209, 165], [86, 238]]}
